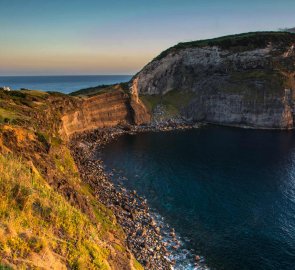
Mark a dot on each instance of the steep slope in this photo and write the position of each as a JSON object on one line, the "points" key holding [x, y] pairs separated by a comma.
{"points": [[242, 80], [108, 108], [50, 218]]}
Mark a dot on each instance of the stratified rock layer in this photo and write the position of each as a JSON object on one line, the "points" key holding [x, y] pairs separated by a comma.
{"points": [[245, 80], [103, 111]]}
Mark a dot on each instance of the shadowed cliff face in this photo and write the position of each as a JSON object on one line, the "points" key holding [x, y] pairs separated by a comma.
{"points": [[235, 84], [105, 110]]}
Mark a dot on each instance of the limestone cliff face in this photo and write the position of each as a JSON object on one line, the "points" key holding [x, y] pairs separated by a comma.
{"points": [[104, 110], [244, 80]]}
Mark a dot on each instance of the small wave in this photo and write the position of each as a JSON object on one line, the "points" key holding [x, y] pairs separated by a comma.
{"points": [[184, 258]]}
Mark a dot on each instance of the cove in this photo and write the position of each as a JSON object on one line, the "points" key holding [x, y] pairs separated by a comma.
{"points": [[228, 192]]}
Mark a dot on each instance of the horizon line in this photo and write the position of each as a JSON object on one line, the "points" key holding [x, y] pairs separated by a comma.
{"points": [[67, 75]]}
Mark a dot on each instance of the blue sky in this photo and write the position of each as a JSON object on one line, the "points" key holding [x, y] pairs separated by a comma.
{"points": [[119, 37]]}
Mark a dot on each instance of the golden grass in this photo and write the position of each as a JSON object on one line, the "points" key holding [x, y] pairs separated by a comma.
{"points": [[35, 93], [44, 226], [137, 265], [7, 115], [36, 222]]}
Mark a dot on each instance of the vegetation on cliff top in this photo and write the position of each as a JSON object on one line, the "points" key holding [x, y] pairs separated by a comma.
{"points": [[49, 218], [33, 109], [101, 89], [239, 42]]}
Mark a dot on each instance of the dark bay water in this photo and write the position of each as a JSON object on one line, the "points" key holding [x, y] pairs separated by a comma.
{"points": [[231, 192], [64, 84]]}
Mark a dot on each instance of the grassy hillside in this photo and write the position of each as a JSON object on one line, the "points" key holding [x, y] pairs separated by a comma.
{"points": [[239, 42], [49, 218], [39, 227], [100, 89]]}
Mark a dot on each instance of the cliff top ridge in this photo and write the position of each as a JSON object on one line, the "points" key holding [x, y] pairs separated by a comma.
{"points": [[237, 42]]}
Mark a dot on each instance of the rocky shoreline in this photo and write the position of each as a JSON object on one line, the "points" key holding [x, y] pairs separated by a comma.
{"points": [[144, 234]]}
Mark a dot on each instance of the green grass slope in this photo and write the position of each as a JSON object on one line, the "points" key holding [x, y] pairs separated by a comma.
{"points": [[49, 218]]}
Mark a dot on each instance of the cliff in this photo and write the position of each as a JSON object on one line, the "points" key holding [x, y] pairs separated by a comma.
{"points": [[49, 217], [241, 80], [107, 109]]}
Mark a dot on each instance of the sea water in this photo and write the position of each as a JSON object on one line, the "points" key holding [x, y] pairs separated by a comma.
{"points": [[64, 84], [229, 193]]}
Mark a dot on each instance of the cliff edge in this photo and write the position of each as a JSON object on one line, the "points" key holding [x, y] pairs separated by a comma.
{"points": [[110, 107], [241, 80], [49, 217]]}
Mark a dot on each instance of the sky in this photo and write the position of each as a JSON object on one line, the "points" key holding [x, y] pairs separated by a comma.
{"points": [[77, 37]]}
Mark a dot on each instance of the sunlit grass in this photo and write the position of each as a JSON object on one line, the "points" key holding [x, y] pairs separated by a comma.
{"points": [[36, 221]]}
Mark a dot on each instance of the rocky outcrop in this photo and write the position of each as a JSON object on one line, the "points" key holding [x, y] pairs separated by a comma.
{"points": [[139, 111], [103, 111], [242, 80]]}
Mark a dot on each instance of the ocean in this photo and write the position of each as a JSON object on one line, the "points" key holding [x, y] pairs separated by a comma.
{"points": [[228, 192], [64, 84]]}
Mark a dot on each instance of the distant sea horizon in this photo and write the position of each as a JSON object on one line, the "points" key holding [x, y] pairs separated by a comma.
{"points": [[60, 83]]}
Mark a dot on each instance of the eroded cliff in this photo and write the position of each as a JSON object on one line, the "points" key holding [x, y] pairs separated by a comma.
{"points": [[242, 80], [104, 110], [50, 218]]}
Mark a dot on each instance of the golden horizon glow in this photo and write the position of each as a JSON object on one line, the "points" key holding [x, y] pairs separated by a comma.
{"points": [[119, 37]]}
